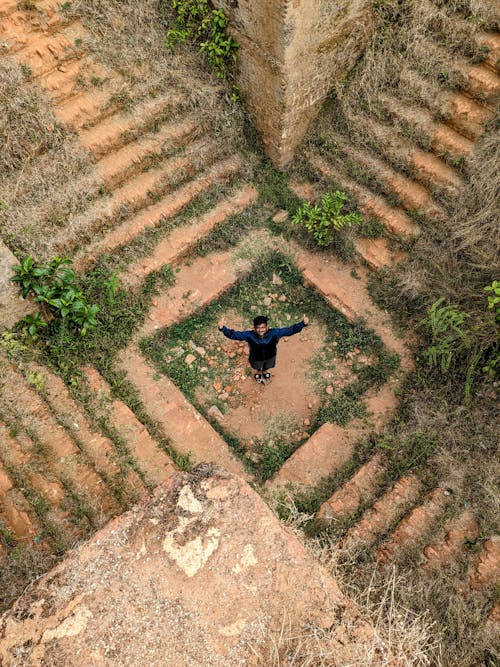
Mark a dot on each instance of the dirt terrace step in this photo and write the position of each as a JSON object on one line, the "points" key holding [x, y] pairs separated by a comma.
{"points": [[442, 139], [114, 132], [415, 525], [427, 168], [333, 279], [485, 568], [377, 253], [14, 509], [361, 488], [20, 29], [151, 459], [133, 195], [86, 108], [492, 41], [152, 215], [466, 115], [8, 7], [18, 453], [44, 53], [99, 449], [196, 284], [179, 242], [379, 518], [65, 82], [189, 433], [413, 196], [460, 529], [63, 456], [124, 162], [483, 83], [370, 204], [330, 448], [45, 15]]}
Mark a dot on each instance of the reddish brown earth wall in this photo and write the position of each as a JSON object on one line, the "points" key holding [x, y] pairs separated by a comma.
{"points": [[291, 54]]}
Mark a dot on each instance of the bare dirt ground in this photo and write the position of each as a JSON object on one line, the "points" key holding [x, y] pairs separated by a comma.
{"points": [[290, 397]]}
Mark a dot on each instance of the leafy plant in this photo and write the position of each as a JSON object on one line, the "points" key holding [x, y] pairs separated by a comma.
{"points": [[54, 286], [198, 21], [494, 298], [325, 219], [448, 338]]}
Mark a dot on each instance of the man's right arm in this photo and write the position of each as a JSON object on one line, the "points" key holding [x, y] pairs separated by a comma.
{"points": [[234, 335]]}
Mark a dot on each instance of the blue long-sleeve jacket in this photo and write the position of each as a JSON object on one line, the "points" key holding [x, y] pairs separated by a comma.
{"points": [[265, 347]]}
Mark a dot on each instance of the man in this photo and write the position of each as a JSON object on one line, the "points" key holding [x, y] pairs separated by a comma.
{"points": [[262, 342]]}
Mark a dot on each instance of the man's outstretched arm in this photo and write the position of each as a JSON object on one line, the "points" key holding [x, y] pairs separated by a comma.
{"points": [[231, 333], [293, 329]]}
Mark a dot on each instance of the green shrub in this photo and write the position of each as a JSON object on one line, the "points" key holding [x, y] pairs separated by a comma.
{"points": [[465, 346], [448, 338], [196, 20], [54, 287], [326, 219]]}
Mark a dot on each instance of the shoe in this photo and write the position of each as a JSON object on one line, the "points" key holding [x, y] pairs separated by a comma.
{"points": [[258, 377], [266, 378]]}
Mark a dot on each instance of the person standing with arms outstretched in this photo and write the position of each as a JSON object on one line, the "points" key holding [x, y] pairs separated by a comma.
{"points": [[262, 342]]}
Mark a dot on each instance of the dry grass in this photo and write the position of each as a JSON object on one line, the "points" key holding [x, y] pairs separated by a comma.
{"points": [[27, 125], [398, 636], [47, 180], [44, 173], [419, 50], [418, 619], [129, 37]]}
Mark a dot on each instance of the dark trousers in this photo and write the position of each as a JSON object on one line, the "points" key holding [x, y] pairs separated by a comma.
{"points": [[262, 364]]}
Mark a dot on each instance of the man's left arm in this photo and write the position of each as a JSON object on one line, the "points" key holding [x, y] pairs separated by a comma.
{"points": [[293, 329]]}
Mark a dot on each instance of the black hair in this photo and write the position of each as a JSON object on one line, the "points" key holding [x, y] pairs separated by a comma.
{"points": [[260, 319]]}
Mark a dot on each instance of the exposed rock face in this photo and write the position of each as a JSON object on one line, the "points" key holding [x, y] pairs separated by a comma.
{"points": [[197, 574], [291, 54]]}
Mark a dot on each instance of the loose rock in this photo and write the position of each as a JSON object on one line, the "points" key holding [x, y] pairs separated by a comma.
{"points": [[214, 411], [189, 359]]}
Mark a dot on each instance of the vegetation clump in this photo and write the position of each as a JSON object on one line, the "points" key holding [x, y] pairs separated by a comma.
{"points": [[197, 21], [326, 219], [54, 286]]}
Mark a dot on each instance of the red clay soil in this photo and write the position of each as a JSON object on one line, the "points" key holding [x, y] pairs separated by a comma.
{"points": [[362, 487], [378, 519], [19, 452], [182, 239], [99, 449], [152, 461], [188, 431], [66, 460], [485, 569], [415, 525], [459, 530], [13, 508], [196, 284], [152, 215]]}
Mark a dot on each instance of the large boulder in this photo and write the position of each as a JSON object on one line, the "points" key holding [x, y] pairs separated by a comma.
{"points": [[199, 574]]}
